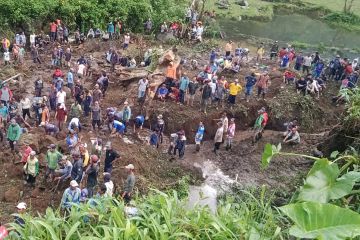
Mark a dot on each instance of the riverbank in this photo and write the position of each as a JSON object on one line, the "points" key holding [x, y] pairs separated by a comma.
{"points": [[329, 12]]}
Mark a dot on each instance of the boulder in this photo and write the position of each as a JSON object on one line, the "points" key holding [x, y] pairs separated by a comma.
{"points": [[12, 195]]}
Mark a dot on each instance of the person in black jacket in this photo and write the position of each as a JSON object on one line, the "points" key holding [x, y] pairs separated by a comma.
{"points": [[92, 172], [77, 170], [206, 96]]}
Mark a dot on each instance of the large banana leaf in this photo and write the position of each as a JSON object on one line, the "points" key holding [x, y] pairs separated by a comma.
{"points": [[322, 183], [322, 221]]}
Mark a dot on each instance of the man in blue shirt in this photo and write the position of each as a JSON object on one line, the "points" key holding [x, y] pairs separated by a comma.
{"points": [[70, 80], [118, 128], [71, 195], [139, 122], [183, 86], [250, 82], [199, 136]]}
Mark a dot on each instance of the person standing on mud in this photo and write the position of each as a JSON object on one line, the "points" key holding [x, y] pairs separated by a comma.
{"points": [[234, 89], [160, 125], [95, 116], [129, 184], [110, 156], [79, 92], [230, 134], [61, 115], [180, 144], [183, 86], [262, 85], [228, 48], [274, 50], [31, 169], [199, 136], [114, 59], [218, 137], [92, 172], [52, 159], [205, 96], [126, 115], [13, 134]]}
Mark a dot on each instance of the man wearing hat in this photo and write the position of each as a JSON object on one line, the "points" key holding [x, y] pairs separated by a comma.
{"points": [[13, 134], [109, 184], [52, 159], [260, 124], [71, 196], [31, 169], [110, 156], [21, 209], [92, 173], [129, 184]]}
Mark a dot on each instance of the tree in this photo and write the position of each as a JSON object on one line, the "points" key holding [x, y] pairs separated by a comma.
{"points": [[348, 5]]}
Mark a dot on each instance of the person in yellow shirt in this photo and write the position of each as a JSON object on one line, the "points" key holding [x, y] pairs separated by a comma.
{"points": [[84, 155], [234, 89], [260, 53]]}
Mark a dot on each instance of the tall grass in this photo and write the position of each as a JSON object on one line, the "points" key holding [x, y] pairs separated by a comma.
{"points": [[161, 216]]}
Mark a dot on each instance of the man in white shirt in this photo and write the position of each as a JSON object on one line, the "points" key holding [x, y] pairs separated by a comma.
{"points": [[109, 184], [307, 64], [81, 69], [25, 105], [32, 39], [143, 83], [126, 41], [60, 97], [6, 57], [74, 123]]}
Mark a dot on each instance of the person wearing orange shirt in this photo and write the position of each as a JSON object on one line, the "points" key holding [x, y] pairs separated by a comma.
{"points": [[262, 84], [171, 71], [53, 28]]}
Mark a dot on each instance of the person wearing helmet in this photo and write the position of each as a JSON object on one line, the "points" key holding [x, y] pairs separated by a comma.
{"points": [[92, 172]]}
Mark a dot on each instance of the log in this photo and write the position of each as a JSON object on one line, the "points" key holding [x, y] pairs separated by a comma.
{"points": [[13, 77]]}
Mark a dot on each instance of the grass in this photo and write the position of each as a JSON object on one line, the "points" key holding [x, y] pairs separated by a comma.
{"points": [[263, 10]]}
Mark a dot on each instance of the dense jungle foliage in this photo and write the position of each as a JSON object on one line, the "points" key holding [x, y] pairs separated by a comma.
{"points": [[37, 14]]}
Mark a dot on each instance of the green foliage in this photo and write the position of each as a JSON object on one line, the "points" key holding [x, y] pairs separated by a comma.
{"points": [[269, 152], [160, 216], [322, 221], [323, 183], [347, 20], [89, 13], [353, 107]]}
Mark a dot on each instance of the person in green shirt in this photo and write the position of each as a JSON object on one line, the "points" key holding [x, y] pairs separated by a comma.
{"points": [[52, 158], [13, 134]]}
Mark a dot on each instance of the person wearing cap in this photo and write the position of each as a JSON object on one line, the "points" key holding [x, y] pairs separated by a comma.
{"points": [[13, 134], [92, 172], [218, 137], [262, 85], [199, 136], [71, 196], [234, 89], [31, 168], [65, 169], [126, 114], [230, 134], [110, 156], [52, 158], [61, 115], [129, 184], [21, 209], [108, 184]]}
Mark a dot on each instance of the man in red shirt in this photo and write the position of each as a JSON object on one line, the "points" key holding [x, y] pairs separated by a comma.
{"points": [[288, 76], [53, 28]]}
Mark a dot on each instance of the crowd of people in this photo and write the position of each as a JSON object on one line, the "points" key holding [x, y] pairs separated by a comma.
{"points": [[72, 100]]}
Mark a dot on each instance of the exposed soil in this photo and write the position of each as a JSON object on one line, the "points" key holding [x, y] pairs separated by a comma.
{"points": [[153, 168]]}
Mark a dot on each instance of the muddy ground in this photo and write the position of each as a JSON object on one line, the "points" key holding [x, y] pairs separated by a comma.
{"points": [[154, 168]]}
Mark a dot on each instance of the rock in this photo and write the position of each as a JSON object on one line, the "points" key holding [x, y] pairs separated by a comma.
{"points": [[12, 195], [46, 140], [35, 193]]}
